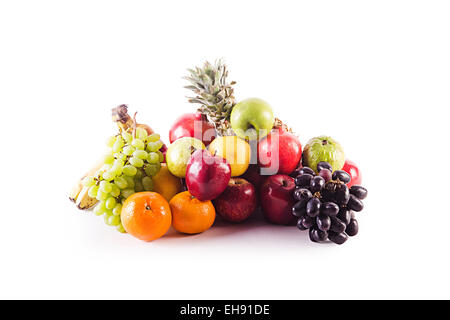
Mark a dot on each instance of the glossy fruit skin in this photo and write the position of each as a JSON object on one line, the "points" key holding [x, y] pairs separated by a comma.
{"points": [[252, 113], [190, 215], [359, 192], [280, 150], [207, 176], [237, 202], [276, 196], [352, 169], [186, 125], [323, 149], [179, 153], [166, 184], [146, 215], [235, 150]]}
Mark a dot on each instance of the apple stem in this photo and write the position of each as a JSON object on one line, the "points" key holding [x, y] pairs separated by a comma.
{"points": [[192, 149]]}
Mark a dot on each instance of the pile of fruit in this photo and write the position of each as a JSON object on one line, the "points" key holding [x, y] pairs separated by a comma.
{"points": [[229, 158]]}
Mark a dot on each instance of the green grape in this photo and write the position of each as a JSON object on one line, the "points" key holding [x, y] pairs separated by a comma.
{"points": [[152, 169], [141, 154], [118, 145], [136, 162], [129, 171], [88, 181], [147, 182], [113, 221], [110, 141], [109, 158], [138, 187], [127, 192], [138, 144], [117, 168], [141, 133], [130, 182], [115, 192], [161, 156], [117, 209], [153, 157], [128, 150], [105, 187], [108, 175], [121, 182], [139, 173], [93, 191], [120, 228], [120, 157], [153, 137], [154, 146], [106, 218], [101, 196], [127, 137], [100, 208], [110, 203]]}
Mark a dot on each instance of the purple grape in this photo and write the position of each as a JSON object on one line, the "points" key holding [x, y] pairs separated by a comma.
{"points": [[352, 228], [359, 192], [355, 204], [342, 176], [329, 209], [323, 222], [306, 170], [316, 184], [303, 180], [324, 165], [300, 194], [338, 238], [313, 207], [325, 174]]}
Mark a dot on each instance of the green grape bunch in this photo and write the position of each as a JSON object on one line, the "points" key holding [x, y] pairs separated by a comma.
{"points": [[129, 165]]}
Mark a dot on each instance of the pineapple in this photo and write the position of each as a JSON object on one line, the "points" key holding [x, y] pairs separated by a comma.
{"points": [[214, 94]]}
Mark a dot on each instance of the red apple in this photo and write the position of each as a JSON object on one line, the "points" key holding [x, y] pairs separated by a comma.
{"points": [[352, 169], [280, 149], [207, 176], [277, 199], [237, 202], [192, 125]]}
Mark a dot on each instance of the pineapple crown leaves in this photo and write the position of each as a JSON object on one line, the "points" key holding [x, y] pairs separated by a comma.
{"points": [[212, 91]]}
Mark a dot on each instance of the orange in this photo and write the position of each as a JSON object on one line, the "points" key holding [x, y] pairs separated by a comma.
{"points": [[146, 215], [191, 215], [166, 184]]}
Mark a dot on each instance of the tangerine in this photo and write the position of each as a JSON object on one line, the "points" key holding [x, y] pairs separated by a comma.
{"points": [[191, 215], [146, 215]]}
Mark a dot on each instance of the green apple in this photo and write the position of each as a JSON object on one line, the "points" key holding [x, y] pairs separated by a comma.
{"points": [[179, 153], [252, 119], [323, 148]]}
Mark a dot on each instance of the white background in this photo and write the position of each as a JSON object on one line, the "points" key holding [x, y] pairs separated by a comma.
{"points": [[373, 74]]}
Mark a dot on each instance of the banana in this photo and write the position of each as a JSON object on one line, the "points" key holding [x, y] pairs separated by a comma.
{"points": [[79, 195], [73, 195], [84, 201]]}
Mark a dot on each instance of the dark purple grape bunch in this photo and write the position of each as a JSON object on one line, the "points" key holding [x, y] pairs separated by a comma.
{"points": [[325, 205]]}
